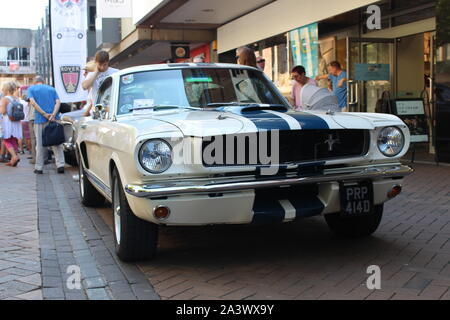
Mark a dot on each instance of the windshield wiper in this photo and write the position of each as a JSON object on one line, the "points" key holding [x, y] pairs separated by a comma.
{"points": [[162, 107], [246, 104], [221, 104]]}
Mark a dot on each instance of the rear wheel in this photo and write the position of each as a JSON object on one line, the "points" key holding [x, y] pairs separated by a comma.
{"points": [[135, 239], [355, 227], [90, 197]]}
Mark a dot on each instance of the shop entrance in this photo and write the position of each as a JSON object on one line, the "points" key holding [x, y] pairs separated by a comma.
{"points": [[371, 71], [398, 70]]}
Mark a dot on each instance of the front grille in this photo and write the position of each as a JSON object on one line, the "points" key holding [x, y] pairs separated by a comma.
{"points": [[294, 146]]}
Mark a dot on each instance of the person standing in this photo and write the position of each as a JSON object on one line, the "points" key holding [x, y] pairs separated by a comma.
{"points": [[300, 79], [94, 79], [46, 103], [261, 63], [31, 117], [11, 129], [338, 78], [246, 56], [26, 122]]}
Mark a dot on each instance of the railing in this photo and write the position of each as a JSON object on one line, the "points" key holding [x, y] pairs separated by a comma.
{"points": [[17, 67]]}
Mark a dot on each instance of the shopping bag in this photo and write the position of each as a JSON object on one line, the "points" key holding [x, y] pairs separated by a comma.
{"points": [[53, 135]]}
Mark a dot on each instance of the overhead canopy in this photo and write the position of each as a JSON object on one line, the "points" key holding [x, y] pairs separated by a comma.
{"points": [[278, 17]]}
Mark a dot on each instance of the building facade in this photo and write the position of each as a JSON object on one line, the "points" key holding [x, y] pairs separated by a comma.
{"points": [[43, 51], [388, 48], [17, 55]]}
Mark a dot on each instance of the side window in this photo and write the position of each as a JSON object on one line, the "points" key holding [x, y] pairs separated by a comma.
{"points": [[104, 93]]}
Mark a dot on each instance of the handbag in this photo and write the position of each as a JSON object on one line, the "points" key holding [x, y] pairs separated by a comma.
{"points": [[53, 135]]}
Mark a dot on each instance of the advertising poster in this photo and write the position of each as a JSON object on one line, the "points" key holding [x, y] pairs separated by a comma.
{"points": [[412, 112], [305, 48], [69, 47]]}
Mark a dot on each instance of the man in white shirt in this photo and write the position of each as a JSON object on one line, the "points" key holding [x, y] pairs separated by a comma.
{"points": [[94, 79]]}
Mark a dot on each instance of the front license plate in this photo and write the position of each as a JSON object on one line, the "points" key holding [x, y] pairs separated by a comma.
{"points": [[356, 199]]}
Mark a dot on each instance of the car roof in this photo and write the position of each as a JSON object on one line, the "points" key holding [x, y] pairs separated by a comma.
{"points": [[170, 66]]}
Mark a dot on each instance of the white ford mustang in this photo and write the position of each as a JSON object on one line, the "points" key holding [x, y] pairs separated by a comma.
{"points": [[202, 144]]}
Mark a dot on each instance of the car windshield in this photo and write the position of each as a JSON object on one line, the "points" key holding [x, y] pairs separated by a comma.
{"points": [[196, 87]]}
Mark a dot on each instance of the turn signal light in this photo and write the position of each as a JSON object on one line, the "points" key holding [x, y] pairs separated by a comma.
{"points": [[161, 212], [396, 190]]}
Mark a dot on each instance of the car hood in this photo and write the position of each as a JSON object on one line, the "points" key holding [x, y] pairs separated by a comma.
{"points": [[234, 120]]}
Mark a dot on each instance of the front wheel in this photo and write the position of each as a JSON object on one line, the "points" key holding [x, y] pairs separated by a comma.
{"points": [[135, 239], [355, 227]]}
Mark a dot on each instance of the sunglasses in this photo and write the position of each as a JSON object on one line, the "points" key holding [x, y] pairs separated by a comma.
{"points": [[261, 61]]}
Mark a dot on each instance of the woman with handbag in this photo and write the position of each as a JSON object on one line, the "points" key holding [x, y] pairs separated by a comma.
{"points": [[11, 128]]}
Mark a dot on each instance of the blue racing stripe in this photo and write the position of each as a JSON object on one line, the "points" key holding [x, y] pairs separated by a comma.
{"points": [[262, 120], [267, 209], [306, 206], [266, 121], [309, 121]]}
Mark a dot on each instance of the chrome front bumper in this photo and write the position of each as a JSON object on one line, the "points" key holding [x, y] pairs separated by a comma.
{"points": [[172, 188]]}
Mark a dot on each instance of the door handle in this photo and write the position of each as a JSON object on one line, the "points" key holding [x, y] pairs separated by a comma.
{"points": [[83, 126], [352, 85]]}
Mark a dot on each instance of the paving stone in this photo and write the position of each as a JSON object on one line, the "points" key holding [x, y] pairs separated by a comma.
{"points": [[53, 293], [96, 282], [97, 294]]}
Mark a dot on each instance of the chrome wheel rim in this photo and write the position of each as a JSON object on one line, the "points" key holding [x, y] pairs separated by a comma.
{"points": [[116, 208]]}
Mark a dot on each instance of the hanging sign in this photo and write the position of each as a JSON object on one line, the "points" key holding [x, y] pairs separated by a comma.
{"points": [[114, 9], [69, 47]]}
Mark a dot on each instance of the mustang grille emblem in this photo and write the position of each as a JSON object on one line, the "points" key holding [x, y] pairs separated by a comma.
{"points": [[331, 142]]}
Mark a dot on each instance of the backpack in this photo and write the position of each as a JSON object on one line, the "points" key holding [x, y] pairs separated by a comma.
{"points": [[15, 110]]}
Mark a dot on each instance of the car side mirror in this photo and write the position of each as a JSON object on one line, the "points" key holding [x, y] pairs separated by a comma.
{"points": [[98, 112]]}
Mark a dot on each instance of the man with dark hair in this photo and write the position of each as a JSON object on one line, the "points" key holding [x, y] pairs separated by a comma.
{"points": [[46, 104], [338, 78], [300, 79], [102, 71]]}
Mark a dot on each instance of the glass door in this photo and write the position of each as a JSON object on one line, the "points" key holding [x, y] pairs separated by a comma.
{"points": [[370, 64]]}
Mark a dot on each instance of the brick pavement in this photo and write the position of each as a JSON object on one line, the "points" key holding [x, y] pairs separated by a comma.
{"points": [[291, 261], [19, 245], [72, 235], [306, 261], [45, 230]]}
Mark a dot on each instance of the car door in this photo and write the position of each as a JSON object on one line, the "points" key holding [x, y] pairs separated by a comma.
{"points": [[96, 131]]}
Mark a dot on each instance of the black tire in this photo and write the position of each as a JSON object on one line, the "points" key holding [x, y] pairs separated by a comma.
{"points": [[135, 239], [355, 227], [70, 158], [90, 197]]}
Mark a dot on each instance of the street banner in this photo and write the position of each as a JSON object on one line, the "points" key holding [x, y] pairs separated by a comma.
{"points": [[305, 48], [114, 9], [69, 47]]}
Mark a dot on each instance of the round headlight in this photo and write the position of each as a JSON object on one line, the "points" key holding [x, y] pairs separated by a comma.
{"points": [[155, 156], [391, 141]]}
